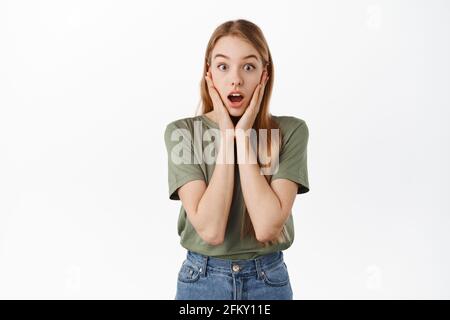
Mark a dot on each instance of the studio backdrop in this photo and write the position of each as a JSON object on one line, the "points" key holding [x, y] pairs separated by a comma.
{"points": [[88, 87]]}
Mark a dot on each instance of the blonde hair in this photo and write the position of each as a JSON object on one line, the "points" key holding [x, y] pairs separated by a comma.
{"points": [[252, 34]]}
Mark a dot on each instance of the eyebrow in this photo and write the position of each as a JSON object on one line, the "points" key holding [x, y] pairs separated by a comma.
{"points": [[226, 57]]}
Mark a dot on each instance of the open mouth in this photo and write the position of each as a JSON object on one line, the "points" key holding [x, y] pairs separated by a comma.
{"points": [[235, 97]]}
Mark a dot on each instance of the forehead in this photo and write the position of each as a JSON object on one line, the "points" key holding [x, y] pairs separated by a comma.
{"points": [[233, 47]]}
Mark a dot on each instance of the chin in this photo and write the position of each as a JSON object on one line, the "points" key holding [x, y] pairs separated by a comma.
{"points": [[237, 112]]}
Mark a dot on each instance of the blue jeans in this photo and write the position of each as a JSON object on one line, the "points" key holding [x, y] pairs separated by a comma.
{"points": [[207, 278]]}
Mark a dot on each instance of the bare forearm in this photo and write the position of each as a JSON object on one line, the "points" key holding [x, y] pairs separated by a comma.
{"points": [[214, 206], [262, 203]]}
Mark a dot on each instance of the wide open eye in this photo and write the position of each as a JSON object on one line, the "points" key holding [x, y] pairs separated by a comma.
{"points": [[218, 66], [252, 66]]}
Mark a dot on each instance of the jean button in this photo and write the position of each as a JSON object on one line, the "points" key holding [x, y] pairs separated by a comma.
{"points": [[236, 268]]}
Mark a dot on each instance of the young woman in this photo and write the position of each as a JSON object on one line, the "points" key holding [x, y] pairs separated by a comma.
{"points": [[236, 169]]}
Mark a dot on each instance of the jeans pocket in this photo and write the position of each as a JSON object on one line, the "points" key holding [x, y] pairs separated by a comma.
{"points": [[189, 272], [277, 276]]}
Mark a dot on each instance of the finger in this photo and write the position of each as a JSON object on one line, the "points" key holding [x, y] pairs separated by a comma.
{"points": [[263, 88], [208, 80], [255, 96], [261, 95], [263, 77], [211, 88], [214, 94], [266, 78]]}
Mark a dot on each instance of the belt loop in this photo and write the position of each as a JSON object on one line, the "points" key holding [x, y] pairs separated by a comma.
{"points": [[258, 268], [204, 265]]}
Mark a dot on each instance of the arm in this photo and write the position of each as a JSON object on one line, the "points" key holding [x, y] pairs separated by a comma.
{"points": [[208, 207], [268, 206]]}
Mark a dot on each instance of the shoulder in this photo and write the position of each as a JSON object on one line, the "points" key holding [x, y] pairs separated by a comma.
{"points": [[288, 121], [181, 123], [290, 124]]}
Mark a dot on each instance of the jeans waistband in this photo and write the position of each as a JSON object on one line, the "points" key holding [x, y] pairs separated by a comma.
{"points": [[242, 267]]}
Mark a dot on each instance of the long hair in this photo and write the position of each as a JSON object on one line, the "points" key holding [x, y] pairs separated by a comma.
{"points": [[252, 34]]}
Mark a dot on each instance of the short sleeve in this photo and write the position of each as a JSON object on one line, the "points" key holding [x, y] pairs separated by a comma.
{"points": [[293, 157], [180, 158]]}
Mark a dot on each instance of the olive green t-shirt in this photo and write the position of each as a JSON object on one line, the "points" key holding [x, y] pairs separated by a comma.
{"points": [[187, 142]]}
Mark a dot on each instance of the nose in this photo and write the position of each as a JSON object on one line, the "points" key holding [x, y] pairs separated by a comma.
{"points": [[236, 79], [236, 82]]}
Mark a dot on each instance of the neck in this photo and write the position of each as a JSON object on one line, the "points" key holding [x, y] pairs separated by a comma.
{"points": [[235, 119]]}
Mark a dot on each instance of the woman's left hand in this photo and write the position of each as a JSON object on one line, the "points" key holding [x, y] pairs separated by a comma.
{"points": [[249, 116]]}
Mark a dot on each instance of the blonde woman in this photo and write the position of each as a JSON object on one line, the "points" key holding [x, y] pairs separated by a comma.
{"points": [[236, 169]]}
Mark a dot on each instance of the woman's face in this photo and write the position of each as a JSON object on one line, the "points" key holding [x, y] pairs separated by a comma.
{"points": [[235, 65]]}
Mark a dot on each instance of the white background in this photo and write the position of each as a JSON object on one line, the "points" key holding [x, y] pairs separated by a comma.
{"points": [[87, 88]]}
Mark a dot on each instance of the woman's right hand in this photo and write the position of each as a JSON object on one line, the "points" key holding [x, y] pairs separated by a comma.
{"points": [[219, 109]]}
